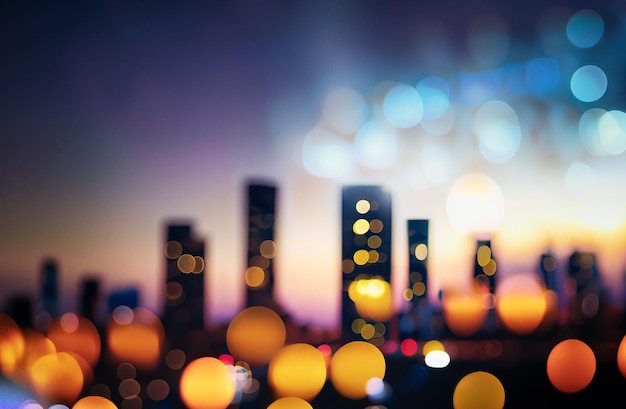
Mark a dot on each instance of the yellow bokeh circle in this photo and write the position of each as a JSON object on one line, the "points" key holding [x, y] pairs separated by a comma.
{"points": [[478, 390], [297, 370], [94, 402], [290, 402], [255, 335], [57, 377], [621, 357], [571, 365], [353, 366], [206, 383]]}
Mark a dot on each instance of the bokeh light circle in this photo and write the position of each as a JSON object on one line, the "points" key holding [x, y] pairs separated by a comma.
{"points": [[585, 28], [521, 304], [464, 311], [206, 383], [297, 370], [588, 83], [290, 402], [325, 154], [403, 106], [353, 365], [498, 130], [479, 389], [255, 335], [571, 365], [376, 145], [94, 402], [57, 377], [475, 204], [80, 337]]}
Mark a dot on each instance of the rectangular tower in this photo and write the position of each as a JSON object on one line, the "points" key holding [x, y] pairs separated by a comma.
{"points": [[414, 321], [261, 246], [184, 284], [366, 255]]}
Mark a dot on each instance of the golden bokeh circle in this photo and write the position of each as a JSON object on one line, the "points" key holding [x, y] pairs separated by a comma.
{"points": [[206, 384], [353, 365], [297, 370], [255, 334], [478, 389]]}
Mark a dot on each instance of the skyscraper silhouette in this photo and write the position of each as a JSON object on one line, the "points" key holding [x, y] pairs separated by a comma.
{"points": [[366, 255], [49, 288], [485, 266], [261, 246], [414, 320], [90, 298], [184, 280]]}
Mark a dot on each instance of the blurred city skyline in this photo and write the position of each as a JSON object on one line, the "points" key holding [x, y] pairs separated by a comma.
{"points": [[117, 118]]}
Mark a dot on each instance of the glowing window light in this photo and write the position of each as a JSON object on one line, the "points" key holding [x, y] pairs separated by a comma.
{"points": [[374, 242], [478, 389], [498, 130], [483, 255], [363, 206], [488, 41], [437, 359], [186, 263], [268, 249], [585, 28], [345, 110], [361, 257], [490, 268], [419, 289], [255, 277], [571, 365], [421, 252], [373, 256], [173, 249], [376, 226], [580, 179], [326, 155], [588, 83], [403, 106], [368, 331], [357, 324], [612, 132], [360, 226], [376, 145], [542, 75], [407, 294]]}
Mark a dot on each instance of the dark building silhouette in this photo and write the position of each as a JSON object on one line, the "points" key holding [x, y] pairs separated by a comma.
{"points": [[414, 321], [548, 265], [184, 280], [90, 299], [584, 290], [366, 249], [49, 287], [20, 308], [128, 297], [261, 245], [485, 266]]}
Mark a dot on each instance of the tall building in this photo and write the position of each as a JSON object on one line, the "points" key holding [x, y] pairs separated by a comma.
{"points": [[414, 320], [548, 264], [366, 303], [485, 266], [90, 299], [184, 280], [261, 246], [583, 288], [49, 281]]}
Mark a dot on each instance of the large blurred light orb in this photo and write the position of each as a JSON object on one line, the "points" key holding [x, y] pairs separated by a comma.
{"points": [[327, 155], [464, 311], [498, 130], [571, 365], [435, 93], [585, 28], [94, 402], [206, 383], [612, 132], [57, 377], [11, 344], [588, 83], [353, 365], [36, 345], [76, 334], [290, 402], [135, 336], [475, 204], [403, 106], [344, 110], [621, 357], [437, 359], [255, 335], [520, 303], [478, 390], [297, 370], [376, 145]]}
